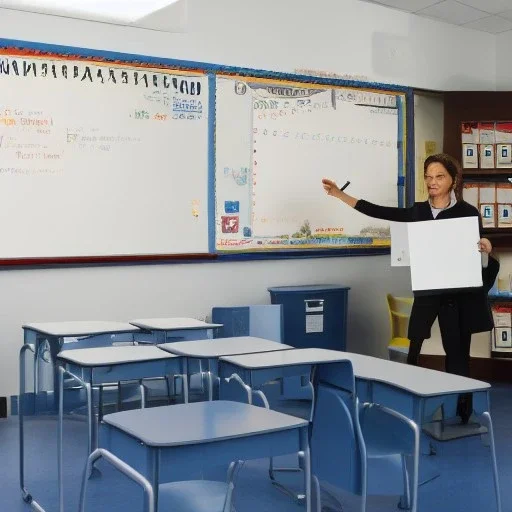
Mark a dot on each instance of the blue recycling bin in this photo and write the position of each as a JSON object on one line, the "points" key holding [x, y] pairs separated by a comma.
{"points": [[313, 315]]}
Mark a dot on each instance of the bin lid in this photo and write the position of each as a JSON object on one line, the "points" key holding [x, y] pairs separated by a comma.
{"points": [[308, 288]]}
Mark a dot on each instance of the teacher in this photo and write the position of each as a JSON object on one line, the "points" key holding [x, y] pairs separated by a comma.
{"points": [[460, 314]]}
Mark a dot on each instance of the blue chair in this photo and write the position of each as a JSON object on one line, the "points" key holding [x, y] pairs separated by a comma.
{"points": [[187, 496], [349, 439]]}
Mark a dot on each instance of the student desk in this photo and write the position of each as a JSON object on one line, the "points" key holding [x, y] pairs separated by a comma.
{"points": [[256, 370], [413, 391], [165, 330], [203, 433], [418, 392], [45, 340], [212, 350], [94, 367]]}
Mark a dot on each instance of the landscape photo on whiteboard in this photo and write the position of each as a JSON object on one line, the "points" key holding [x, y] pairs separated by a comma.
{"points": [[272, 155]]}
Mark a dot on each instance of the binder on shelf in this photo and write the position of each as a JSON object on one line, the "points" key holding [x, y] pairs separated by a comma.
{"points": [[470, 156], [487, 160], [503, 132], [504, 156], [470, 193], [469, 132], [488, 214]]}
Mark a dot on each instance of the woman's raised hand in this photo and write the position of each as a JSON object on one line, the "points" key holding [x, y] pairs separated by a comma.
{"points": [[330, 187]]}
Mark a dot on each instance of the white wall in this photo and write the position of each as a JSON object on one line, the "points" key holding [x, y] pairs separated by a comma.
{"points": [[343, 36], [503, 69]]}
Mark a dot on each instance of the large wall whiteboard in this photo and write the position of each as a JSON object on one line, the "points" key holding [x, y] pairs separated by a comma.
{"points": [[276, 141], [101, 159]]}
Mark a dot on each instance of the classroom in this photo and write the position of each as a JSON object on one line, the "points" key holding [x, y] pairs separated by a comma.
{"points": [[162, 166]]}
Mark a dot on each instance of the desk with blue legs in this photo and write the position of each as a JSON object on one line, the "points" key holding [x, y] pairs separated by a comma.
{"points": [[45, 340], [166, 330], [203, 433], [413, 391], [211, 350], [95, 367]]}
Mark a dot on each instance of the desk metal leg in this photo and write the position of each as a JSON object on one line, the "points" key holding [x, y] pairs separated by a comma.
{"points": [[27, 497], [486, 419], [304, 443], [90, 427]]}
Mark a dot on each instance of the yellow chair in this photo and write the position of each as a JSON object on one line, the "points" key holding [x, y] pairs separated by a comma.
{"points": [[399, 309]]}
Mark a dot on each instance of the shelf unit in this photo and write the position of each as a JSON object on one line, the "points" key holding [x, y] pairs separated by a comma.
{"points": [[461, 106]]}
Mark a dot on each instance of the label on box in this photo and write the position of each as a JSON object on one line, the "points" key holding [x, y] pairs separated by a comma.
{"points": [[314, 323]]}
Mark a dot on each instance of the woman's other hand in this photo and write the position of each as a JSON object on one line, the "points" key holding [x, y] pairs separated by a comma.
{"points": [[484, 245]]}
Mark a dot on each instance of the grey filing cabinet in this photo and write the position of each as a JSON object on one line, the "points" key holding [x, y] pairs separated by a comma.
{"points": [[313, 316]]}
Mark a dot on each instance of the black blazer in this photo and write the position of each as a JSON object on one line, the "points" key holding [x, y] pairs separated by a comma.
{"points": [[473, 305]]}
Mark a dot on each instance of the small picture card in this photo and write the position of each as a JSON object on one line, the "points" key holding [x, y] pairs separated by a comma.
{"points": [[504, 155], [504, 215], [470, 156], [487, 213], [503, 337], [487, 156]]}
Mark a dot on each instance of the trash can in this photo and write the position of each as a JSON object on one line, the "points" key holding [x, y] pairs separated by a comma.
{"points": [[313, 315]]}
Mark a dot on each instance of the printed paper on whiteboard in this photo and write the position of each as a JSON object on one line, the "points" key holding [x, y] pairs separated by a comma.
{"points": [[399, 245], [444, 254]]}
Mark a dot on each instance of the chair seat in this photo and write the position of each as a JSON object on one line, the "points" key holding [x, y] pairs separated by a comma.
{"points": [[192, 496], [399, 343]]}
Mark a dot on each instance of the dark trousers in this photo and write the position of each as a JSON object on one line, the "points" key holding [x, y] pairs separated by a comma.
{"points": [[456, 345]]}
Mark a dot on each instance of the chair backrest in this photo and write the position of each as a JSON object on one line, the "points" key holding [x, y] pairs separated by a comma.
{"points": [[399, 309], [234, 320], [337, 446], [266, 321], [262, 321]]}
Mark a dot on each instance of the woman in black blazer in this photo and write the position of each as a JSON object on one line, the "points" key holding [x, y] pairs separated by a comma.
{"points": [[460, 314]]}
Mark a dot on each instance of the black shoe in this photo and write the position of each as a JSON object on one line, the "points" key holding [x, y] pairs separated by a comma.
{"points": [[465, 408]]}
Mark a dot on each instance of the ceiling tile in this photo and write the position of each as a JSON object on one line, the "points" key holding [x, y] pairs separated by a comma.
{"points": [[453, 12], [490, 6], [507, 14], [406, 5], [492, 24]]}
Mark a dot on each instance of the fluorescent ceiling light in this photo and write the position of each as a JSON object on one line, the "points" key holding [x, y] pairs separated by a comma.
{"points": [[126, 11]]}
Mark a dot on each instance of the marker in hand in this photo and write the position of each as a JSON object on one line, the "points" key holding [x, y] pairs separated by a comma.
{"points": [[345, 186]]}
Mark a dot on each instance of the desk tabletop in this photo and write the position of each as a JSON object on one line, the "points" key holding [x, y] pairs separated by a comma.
{"points": [[200, 422], [282, 358], [80, 328], [413, 379], [172, 324], [205, 349], [109, 356]]}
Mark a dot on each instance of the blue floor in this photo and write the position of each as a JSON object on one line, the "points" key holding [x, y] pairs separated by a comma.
{"points": [[465, 483]]}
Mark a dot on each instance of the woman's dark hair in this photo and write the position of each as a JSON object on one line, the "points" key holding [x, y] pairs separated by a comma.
{"points": [[453, 168]]}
